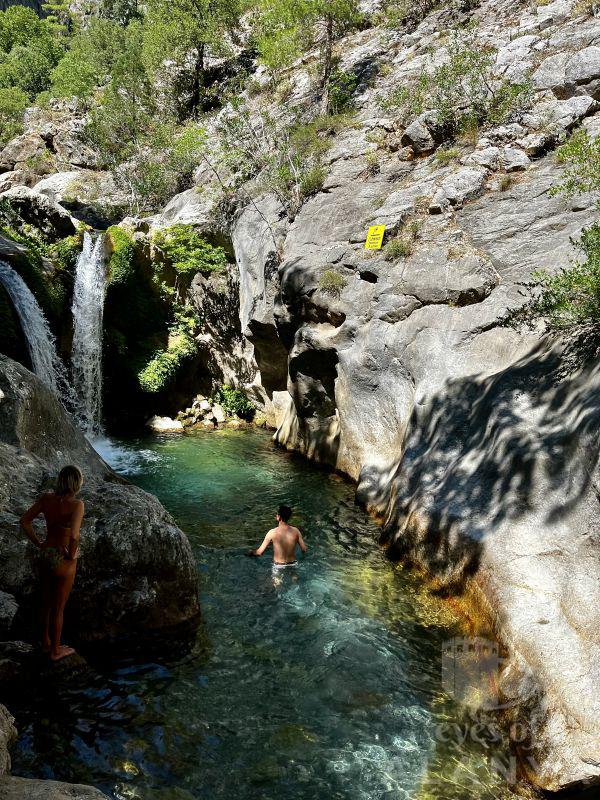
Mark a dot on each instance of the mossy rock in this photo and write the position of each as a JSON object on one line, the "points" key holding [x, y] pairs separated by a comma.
{"points": [[121, 265]]}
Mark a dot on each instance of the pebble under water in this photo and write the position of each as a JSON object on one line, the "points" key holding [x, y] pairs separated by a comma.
{"points": [[322, 682]]}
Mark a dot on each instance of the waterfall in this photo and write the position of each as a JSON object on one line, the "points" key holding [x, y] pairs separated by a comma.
{"points": [[88, 309], [40, 341]]}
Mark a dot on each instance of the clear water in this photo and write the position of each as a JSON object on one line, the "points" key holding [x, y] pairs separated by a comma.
{"points": [[323, 682]]}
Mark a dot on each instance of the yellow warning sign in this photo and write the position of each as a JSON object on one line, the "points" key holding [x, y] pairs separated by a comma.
{"points": [[375, 237]]}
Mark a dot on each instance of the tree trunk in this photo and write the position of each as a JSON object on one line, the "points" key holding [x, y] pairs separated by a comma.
{"points": [[327, 61], [197, 81]]}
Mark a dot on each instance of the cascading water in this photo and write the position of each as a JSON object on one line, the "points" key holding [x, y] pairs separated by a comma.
{"points": [[88, 309], [40, 341]]}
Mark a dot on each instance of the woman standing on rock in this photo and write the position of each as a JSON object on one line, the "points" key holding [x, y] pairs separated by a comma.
{"points": [[63, 513]]}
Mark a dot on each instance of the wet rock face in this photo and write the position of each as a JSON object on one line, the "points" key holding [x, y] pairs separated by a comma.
{"points": [[136, 571], [516, 509], [8, 735]]}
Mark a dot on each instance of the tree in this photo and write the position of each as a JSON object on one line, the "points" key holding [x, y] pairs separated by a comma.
{"points": [[188, 32], [127, 110], [13, 103], [121, 11], [90, 60], [286, 28], [60, 16], [29, 50]]}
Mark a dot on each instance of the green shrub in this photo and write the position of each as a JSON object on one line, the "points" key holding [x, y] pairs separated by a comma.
{"points": [[188, 252], [121, 263], [341, 87], [464, 92], [13, 102], [580, 157], [234, 401], [254, 87], [165, 364], [283, 159], [400, 247], [570, 300], [332, 283], [311, 182], [445, 156], [409, 13]]}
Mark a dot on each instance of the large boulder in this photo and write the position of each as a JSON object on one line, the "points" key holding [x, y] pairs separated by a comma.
{"points": [[136, 572], [40, 211], [90, 195]]}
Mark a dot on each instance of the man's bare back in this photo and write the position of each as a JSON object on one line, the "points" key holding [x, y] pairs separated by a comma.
{"points": [[284, 538]]}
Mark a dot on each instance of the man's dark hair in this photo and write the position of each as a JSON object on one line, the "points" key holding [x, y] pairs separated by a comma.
{"points": [[284, 512]]}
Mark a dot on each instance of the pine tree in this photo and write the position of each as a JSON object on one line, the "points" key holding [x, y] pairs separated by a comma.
{"points": [[286, 28], [188, 32]]}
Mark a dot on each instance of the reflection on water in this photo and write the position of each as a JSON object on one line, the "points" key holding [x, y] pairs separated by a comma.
{"points": [[324, 683]]}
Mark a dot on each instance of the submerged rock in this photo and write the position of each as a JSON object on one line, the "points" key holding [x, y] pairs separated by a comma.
{"points": [[136, 572], [12, 788]]}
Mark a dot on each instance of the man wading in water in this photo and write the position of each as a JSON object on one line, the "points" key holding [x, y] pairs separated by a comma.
{"points": [[58, 556], [284, 539]]}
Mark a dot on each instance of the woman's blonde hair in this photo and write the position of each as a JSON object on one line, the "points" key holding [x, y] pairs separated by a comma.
{"points": [[70, 480]]}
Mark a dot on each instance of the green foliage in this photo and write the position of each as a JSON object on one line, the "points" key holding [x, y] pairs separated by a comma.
{"points": [[311, 182], [342, 86], [60, 16], [234, 401], [332, 283], [28, 51], [165, 364], [65, 252], [284, 29], [581, 159], [284, 159], [445, 156], [121, 264], [400, 247], [121, 11], [464, 91], [188, 252], [91, 57], [188, 32], [48, 288], [13, 102], [409, 13], [570, 299]]}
